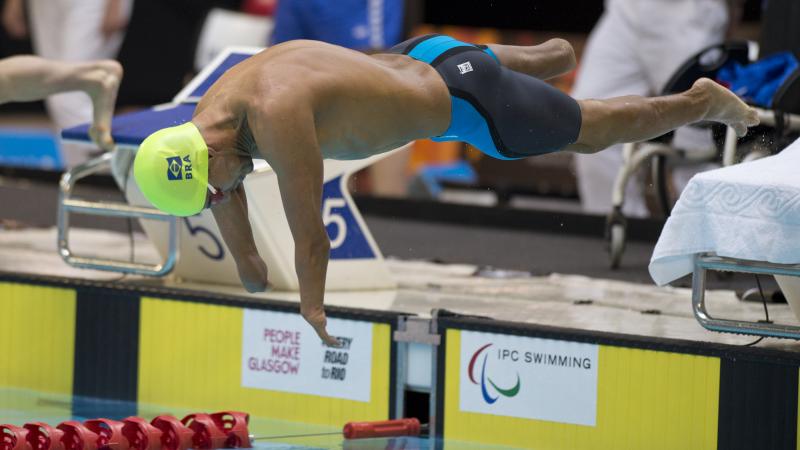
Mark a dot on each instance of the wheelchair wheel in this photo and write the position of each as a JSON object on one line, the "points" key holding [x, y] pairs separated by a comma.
{"points": [[661, 184], [616, 228]]}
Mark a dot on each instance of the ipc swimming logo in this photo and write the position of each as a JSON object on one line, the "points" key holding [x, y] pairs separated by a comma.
{"points": [[509, 392], [178, 169]]}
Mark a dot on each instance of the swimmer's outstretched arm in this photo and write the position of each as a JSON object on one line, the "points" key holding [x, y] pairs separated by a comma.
{"points": [[284, 132], [544, 61], [29, 78], [233, 222]]}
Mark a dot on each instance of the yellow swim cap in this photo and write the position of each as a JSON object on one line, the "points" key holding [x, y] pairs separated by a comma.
{"points": [[171, 169]]}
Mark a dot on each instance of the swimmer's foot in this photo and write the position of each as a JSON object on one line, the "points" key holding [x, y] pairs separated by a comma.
{"points": [[101, 80], [725, 107]]}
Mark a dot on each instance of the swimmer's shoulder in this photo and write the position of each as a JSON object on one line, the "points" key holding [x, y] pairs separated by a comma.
{"points": [[294, 46]]}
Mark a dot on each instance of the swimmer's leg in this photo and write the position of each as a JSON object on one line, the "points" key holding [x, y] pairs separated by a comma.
{"points": [[29, 78], [634, 118], [547, 60]]}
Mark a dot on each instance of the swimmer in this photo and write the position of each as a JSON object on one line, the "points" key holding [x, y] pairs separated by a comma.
{"points": [[28, 78], [300, 102]]}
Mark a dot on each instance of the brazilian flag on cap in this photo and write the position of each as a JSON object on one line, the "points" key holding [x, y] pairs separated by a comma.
{"points": [[171, 169]]}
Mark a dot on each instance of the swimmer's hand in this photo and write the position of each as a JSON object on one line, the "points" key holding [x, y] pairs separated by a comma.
{"points": [[102, 137], [315, 316]]}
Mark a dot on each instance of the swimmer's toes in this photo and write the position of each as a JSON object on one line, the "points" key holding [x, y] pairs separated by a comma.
{"points": [[752, 118], [740, 128], [107, 142], [102, 137], [113, 69]]}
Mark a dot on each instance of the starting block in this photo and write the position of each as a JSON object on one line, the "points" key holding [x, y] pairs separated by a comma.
{"points": [[192, 248]]}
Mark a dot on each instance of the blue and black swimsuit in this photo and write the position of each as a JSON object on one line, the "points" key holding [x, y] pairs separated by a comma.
{"points": [[505, 114]]}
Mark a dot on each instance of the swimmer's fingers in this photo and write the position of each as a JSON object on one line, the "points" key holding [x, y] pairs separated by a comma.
{"points": [[328, 339], [316, 318], [740, 129], [751, 119]]}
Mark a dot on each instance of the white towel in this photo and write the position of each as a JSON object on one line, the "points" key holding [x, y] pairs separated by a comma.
{"points": [[748, 211]]}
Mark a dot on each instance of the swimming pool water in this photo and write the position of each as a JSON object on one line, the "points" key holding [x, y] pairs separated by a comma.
{"points": [[20, 406]]}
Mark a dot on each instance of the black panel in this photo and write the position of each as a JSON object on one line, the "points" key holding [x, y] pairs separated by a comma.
{"points": [[417, 404], [779, 28], [392, 372], [441, 363], [538, 15], [757, 406], [519, 14], [106, 349]]}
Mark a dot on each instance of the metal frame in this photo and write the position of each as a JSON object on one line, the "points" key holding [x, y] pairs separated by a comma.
{"points": [[68, 205], [418, 330], [704, 263]]}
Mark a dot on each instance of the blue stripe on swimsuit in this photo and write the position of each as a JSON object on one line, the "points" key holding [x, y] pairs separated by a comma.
{"points": [[466, 123], [505, 114]]}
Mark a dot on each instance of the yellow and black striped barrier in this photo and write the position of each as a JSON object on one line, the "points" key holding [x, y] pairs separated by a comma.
{"points": [[497, 383], [190, 350]]}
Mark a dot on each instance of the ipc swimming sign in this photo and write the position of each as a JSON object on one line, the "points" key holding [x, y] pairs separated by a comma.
{"points": [[530, 378]]}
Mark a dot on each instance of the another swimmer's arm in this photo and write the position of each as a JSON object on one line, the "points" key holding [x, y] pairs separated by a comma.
{"points": [[234, 224], [287, 140]]}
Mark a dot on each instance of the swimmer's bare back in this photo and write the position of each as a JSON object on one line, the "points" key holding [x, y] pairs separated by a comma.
{"points": [[361, 104]]}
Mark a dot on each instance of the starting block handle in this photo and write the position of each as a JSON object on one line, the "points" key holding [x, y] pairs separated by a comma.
{"points": [[704, 263], [68, 205]]}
